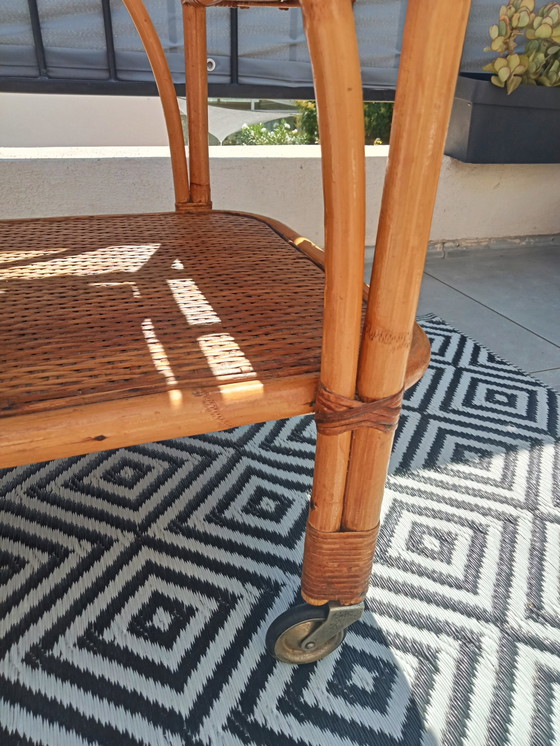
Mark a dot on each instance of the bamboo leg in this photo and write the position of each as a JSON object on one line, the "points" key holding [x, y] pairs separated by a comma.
{"points": [[422, 108], [330, 30], [430, 59], [194, 21]]}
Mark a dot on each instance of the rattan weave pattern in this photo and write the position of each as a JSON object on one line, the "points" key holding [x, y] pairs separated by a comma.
{"points": [[97, 308]]}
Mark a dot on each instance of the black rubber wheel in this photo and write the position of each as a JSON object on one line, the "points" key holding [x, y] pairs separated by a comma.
{"points": [[285, 634]]}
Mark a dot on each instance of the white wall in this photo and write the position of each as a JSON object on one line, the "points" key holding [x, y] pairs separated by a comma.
{"points": [[50, 119], [474, 202]]}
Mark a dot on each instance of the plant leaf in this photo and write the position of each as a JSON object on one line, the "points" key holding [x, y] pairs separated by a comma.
{"points": [[513, 83], [544, 31], [504, 73]]}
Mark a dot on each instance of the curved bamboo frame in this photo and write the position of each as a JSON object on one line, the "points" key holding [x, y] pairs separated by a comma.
{"points": [[350, 468]]}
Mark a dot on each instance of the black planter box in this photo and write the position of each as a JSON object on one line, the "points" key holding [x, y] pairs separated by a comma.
{"points": [[488, 126]]}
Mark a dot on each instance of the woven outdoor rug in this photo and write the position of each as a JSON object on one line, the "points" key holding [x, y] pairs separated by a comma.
{"points": [[137, 585]]}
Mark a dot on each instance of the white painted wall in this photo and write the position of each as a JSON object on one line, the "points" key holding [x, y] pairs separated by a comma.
{"points": [[51, 119], [474, 201]]}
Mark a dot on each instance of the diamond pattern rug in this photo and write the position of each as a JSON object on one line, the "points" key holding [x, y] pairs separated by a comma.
{"points": [[137, 585]]}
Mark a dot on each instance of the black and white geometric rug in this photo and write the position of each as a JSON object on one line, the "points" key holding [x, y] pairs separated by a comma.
{"points": [[137, 585]]}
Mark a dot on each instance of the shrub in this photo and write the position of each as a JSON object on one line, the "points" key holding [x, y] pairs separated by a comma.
{"points": [[278, 133]]}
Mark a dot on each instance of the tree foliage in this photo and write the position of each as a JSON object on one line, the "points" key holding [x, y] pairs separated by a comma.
{"points": [[378, 116]]}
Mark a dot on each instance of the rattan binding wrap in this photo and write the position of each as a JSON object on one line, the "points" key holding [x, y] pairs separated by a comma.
{"points": [[103, 308], [337, 565], [336, 414]]}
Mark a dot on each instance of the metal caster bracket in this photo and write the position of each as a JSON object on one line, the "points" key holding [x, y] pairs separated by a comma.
{"points": [[338, 618]]}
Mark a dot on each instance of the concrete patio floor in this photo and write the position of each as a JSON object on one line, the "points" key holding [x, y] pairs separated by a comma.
{"points": [[508, 300]]}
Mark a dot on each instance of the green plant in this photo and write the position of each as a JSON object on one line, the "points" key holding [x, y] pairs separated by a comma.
{"points": [[539, 63], [378, 117]]}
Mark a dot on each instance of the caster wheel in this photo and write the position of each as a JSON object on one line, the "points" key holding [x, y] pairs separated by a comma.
{"points": [[287, 632]]}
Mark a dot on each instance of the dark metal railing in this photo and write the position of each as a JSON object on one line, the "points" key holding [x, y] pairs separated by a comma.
{"points": [[112, 84], [38, 38], [233, 47], [109, 39]]}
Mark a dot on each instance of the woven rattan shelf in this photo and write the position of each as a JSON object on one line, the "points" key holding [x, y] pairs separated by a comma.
{"points": [[100, 308], [97, 310]]}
